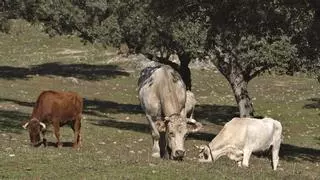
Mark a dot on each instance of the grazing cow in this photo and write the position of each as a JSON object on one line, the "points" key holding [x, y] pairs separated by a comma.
{"points": [[58, 109], [242, 136], [190, 104], [162, 94]]}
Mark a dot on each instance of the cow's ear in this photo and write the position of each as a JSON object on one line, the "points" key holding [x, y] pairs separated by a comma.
{"points": [[194, 126], [161, 126]]}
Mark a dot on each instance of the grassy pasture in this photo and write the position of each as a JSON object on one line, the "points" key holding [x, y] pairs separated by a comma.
{"points": [[116, 138]]}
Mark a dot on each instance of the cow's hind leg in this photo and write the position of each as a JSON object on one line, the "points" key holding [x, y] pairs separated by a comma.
{"points": [[275, 155], [76, 126], [56, 127]]}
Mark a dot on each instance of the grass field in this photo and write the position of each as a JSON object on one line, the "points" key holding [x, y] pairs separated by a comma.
{"points": [[116, 138]]}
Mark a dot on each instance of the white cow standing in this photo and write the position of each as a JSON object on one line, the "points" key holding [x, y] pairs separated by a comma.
{"points": [[242, 136], [162, 95]]}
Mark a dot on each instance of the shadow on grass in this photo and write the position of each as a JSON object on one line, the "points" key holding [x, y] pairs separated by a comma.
{"points": [[10, 121], [145, 128], [20, 103], [100, 108], [288, 152], [217, 114], [123, 125], [315, 103], [81, 71], [64, 144], [94, 107], [295, 153]]}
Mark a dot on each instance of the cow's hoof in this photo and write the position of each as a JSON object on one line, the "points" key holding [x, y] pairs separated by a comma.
{"points": [[245, 165], [44, 142], [156, 155], [204, 160], [76, 146], [239, 164], [59, 145]]}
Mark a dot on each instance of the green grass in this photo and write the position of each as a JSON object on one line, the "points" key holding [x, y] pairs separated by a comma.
{"points": [[116, 137]]}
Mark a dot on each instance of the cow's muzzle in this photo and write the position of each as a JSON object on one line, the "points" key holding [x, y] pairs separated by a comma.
{"points": [[178, 155]]}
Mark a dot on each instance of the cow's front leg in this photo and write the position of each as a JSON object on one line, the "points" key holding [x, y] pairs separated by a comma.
{"points": [[155, 147], [165, 151], [246, 157], [155, 137], [56, 127], [44, 140]]}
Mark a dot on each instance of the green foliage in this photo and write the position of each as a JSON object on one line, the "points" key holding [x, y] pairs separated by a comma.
{"points": [[191, 34], [254, 53], [136, 24]]}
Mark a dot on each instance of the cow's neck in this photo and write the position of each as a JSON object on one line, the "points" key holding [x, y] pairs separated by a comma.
{"points": [[218, 151], [169, 103]]}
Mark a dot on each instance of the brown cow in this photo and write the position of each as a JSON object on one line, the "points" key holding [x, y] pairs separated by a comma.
{"points": [[58, 109]]}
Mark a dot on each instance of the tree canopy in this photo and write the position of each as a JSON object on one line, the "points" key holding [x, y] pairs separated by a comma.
{"points": [[242, 38]]}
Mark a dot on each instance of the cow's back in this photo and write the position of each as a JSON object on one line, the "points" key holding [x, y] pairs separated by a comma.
{"points": [[255, 134], [244, 132], [162, 86], [145, 76], [53, 104]]}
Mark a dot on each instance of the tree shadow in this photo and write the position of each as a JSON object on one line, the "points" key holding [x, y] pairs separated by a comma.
{"points": [[21, 103], [202, 136], [94, 107], [315, 103], [318, 138], [64, 144], [145, 128], [287, 152], [10, 121], [80, 71], [295, 153], [217, 114], [98, 108], [123, 125]]}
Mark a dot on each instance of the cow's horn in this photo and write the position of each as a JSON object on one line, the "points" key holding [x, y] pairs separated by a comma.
{"points": [[202, 147], [25, 125], [43, 125], [190, 120]]}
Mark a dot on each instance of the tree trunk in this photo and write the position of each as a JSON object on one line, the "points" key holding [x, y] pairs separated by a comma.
{"points": [[240, 89], [185, 70]]}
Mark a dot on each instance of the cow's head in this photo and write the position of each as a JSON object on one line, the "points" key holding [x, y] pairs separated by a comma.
{"points": [[205, 154], [176, 129], [35, 127]]}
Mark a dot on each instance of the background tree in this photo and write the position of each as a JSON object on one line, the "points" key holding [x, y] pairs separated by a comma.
{"points": [[246, 38], [242, 38]]}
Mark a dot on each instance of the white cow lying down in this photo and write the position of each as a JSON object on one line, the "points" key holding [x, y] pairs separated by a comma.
{"points": [[242, 136]]}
